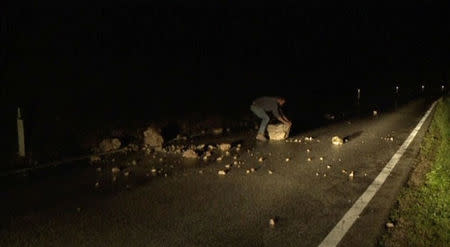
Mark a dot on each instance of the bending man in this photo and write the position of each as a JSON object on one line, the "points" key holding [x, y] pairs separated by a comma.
{"points": [[261, 106]]}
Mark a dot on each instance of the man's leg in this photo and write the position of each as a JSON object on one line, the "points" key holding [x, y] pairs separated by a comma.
{"points": [[264, 121]]}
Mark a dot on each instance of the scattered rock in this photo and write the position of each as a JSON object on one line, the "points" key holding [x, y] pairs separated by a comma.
{"points": [[97, 185], [260, 159], [309, 159], [99, 169], [109, 144], [374, 113], [228, 166], [200, 172], [190, 154], [133, 162], [336, 140], [321, 158], [272, 222], [219, 158], [200, 147], [328, 166], [153, 138], [126, 174], [222, 172], [389, 225], [153, 170], [317, 174], [224, 147], [308, 150], [287, 159], [217, 131], [278, 132], [270, 172], [252, 170], [351, 175], [115, 170]]}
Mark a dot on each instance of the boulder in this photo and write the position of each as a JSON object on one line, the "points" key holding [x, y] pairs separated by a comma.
{"points": [[190, 154], [153, 138], [336, 140], [278, 132], [109, 144]]}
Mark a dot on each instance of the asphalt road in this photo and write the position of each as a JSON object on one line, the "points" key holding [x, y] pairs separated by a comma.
{"points": [[195, 206]]}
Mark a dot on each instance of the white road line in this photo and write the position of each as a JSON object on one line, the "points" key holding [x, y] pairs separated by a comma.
{"points": [[335, 236]]}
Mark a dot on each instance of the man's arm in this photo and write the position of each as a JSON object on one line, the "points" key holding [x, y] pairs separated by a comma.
{"points": [[281, 117]]}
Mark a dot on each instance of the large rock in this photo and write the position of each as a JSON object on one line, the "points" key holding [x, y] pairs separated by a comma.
{"points": [[278, 132], [190, 154], [109, 144], [153, 138]]}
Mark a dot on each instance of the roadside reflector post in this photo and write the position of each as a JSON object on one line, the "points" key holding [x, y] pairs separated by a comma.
{"points": [[20, 133]]}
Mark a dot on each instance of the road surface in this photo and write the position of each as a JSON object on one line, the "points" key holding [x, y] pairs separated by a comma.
{"points": [[195, 206]]}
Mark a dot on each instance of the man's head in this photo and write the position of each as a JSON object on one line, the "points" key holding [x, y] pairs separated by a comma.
{"points": [[281, 100]]}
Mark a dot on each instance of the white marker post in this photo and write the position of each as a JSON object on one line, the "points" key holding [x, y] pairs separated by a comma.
{"points": [[423, 88], [20, 133], [359, 95]]}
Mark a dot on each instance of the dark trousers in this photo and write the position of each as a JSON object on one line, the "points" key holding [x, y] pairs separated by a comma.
{"points": [[264, 117]]}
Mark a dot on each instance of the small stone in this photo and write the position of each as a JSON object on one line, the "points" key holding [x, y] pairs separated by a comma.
{"points": [[287, 159], [235, 157], [115, 170], [351, 175], [227, 153], [205, 158], [344, 171], [307, 150], [222, 172], [97, 185], [153, 170], [389, 225], [321, 158], [224, 147], [317, 174], [270, 172], [391, 139], [99, 169], [133, 162], [328, 167], [365, 174], [247, 171], [252, 169], [336, 140], [235, 162], [272, 222], [201, 171], [114, 179], [260, 159], [309, 159], [219, 158], [324, 174], [228, 166], [201, 146], [126, 174]]}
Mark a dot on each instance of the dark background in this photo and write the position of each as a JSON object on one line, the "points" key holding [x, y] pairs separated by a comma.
{"points": [[139, 63]]}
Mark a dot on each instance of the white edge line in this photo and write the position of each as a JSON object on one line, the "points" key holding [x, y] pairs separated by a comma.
{"points": [[338, 232]]}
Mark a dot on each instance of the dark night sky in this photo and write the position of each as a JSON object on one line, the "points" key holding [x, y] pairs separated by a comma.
{"points": [[219, 56]]}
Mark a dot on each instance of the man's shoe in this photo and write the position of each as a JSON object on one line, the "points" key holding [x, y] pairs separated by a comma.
{"points": [[261, 138]]}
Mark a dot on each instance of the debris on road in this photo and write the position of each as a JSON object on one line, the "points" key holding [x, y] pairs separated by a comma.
{"points": [[270, 172], [278, 132], [272, 222], [153, 138], [222, 172], [109, 144], [115, 170], [389, 225], [260, 159], [287, 159], [351, 175], [219, 158], [321, 158], [336, 140], [308, 150], [224, 147], [217, 131], [309, 159], [190, 154], [328, 166]]}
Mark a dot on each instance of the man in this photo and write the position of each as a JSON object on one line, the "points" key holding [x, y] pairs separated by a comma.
{"points": [[261, 106]]}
